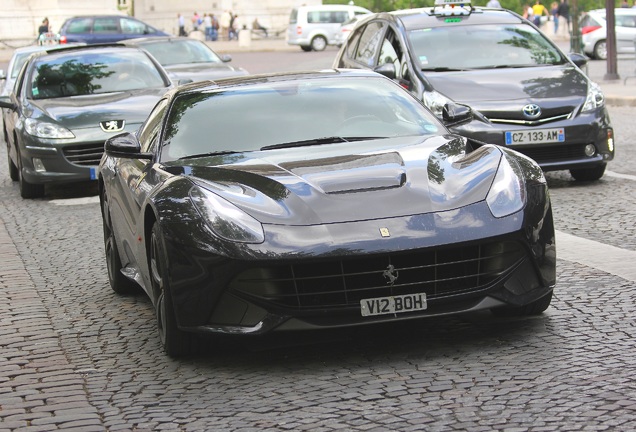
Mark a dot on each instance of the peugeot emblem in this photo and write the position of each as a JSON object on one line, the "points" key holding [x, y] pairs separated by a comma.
{"points": [[112, 125], [531, 111], [390, 274]]}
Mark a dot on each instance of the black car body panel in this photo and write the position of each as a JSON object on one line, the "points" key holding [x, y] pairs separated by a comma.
{"points": [[342, 221], [498, 95]]}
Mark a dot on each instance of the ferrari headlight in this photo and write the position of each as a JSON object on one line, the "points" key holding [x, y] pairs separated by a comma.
{"points": [[595, 98], [42, 129], [225, 219], [434, 101], [507, 194]]}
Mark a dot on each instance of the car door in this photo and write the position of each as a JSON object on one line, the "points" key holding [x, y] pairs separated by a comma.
{"points": [[625, 32], [131, 185]]}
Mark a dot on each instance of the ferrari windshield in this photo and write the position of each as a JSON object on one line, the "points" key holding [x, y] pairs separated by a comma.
{"points": [[78, 73], [293, 113], [465, 47], [171, 52]]}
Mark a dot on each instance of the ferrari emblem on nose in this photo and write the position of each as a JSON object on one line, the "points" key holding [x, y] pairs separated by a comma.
{"points": [[384, 232], [390, 274], [112, 125]]}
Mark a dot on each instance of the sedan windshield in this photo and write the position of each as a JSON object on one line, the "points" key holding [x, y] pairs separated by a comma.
{"points": [[313, 112], [181, 52], [465, 47], [78, 74]]}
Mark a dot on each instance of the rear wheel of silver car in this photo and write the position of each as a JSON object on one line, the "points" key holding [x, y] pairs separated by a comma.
{"points": [[588, 174], [600, 50], [28, 190], [537, 307], [118, 282], [176, 343], [318, 43]]}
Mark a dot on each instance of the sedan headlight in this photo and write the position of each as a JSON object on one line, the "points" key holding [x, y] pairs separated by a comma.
{"points": [[595, 98], [225, 219], [507, 194], [435, 101], [42, 129]]}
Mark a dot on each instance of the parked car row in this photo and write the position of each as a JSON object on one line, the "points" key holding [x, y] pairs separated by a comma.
{"points": [[419, 192]]}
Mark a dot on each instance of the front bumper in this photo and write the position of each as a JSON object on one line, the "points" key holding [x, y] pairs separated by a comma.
{"points": [[314, 277], [590, 128]]}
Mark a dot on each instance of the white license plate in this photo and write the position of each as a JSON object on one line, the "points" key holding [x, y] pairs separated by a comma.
{"points": [[535, 136], [393, 304]]}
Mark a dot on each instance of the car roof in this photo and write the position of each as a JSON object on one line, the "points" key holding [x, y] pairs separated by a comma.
{"points": [[102, 16], [94, 47], [140, 41], [413, 19]]}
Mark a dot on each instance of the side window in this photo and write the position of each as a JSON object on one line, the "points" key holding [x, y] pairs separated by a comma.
{"points": [[340, 17], [106, 25], [352, 43], [129, 26], [149, 132], [391, 52], [80, 25], [369, 43], [624, 21]]}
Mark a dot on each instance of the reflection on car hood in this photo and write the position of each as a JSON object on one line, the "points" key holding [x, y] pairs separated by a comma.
{"points": [[203, 71], [88, 111], [297, 187], [486, 85]]}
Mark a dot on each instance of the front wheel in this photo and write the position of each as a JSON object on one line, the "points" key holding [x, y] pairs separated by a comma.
{"points": [[588, 174], [28, 190], [118, 282], [600, 50], [176, 343], [14, 174], [537, 307], [318, 43]]}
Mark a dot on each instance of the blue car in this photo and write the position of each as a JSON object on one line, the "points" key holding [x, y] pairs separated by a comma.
{"points": [[96, 29]]}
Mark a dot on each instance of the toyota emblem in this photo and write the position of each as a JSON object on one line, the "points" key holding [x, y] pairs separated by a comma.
{"points": [[531, 111]]}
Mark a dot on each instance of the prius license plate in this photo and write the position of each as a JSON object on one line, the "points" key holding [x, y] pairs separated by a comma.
{"points": [[393, 304], [535, 136]]}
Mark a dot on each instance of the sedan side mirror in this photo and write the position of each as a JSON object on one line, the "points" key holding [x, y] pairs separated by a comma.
{"points": [[386, 69], [578, 59], [125, 145], [454, 113], [5, 102], [2, 74], [226, 58]]}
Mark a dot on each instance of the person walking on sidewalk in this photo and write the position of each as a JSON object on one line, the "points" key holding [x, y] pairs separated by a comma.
{"points": [[564, 18]]}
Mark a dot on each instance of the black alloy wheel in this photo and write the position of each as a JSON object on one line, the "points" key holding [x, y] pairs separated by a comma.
{"points": [[28, 190]]}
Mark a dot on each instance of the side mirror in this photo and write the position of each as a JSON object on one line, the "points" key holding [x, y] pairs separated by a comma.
{"points": [[454, 113], [5, 102], [125, 145], [2, 74], [578, 59], [183, 81], [225, 58], [386, 69]]}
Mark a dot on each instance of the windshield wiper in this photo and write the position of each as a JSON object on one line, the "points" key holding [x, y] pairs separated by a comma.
{"points": [[315, 141], [214, 153], [443, 69]]}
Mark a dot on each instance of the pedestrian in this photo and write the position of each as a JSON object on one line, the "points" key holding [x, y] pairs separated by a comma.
{"points": [[215, 27], [256, 26], [625, 4], [207, 25], [564, 18], [181, 23], [494, 4], [195, 21], [554, 12], [224, 23], [233, 32], [539, 11], [44, 27]]}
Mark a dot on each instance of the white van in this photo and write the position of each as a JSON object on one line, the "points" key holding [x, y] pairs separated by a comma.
{"points": [[315, 27]]}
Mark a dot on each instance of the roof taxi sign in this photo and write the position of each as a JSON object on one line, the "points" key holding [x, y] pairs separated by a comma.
{"points": [[452, 7]]}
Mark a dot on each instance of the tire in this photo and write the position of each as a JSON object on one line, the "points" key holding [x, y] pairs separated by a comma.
{"points": [[14, 174], [537, 307], [28, 190], [305, 48], [118, 282], [319, 43], [588, 174], [176, 343], [600, 50]]}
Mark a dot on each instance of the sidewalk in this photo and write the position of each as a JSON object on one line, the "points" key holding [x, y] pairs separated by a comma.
{"points": [[621, 92]]}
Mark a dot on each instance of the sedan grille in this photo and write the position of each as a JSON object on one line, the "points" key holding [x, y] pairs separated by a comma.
{"points": [[554, 153], [343, 282], [84, 154]]}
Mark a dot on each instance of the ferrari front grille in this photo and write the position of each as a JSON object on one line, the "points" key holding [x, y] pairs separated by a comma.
{"points": [[84, 154], [342, 283]]}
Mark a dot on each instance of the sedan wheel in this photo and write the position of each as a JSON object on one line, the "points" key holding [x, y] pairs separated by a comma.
{"points": [[118, 282], [588, 174], [13, 170], [600, 50], [28, 190], [176, 343], [318, 43]]}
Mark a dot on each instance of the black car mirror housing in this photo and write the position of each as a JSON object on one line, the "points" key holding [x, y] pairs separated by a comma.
{"points": [[454, 113], [125, 145], [578, 59]]}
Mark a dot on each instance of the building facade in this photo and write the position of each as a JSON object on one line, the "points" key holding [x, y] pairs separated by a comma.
{"points": [[20, 19]]}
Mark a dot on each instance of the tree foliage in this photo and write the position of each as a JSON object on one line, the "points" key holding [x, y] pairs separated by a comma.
{"points": [[514, 5]]}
